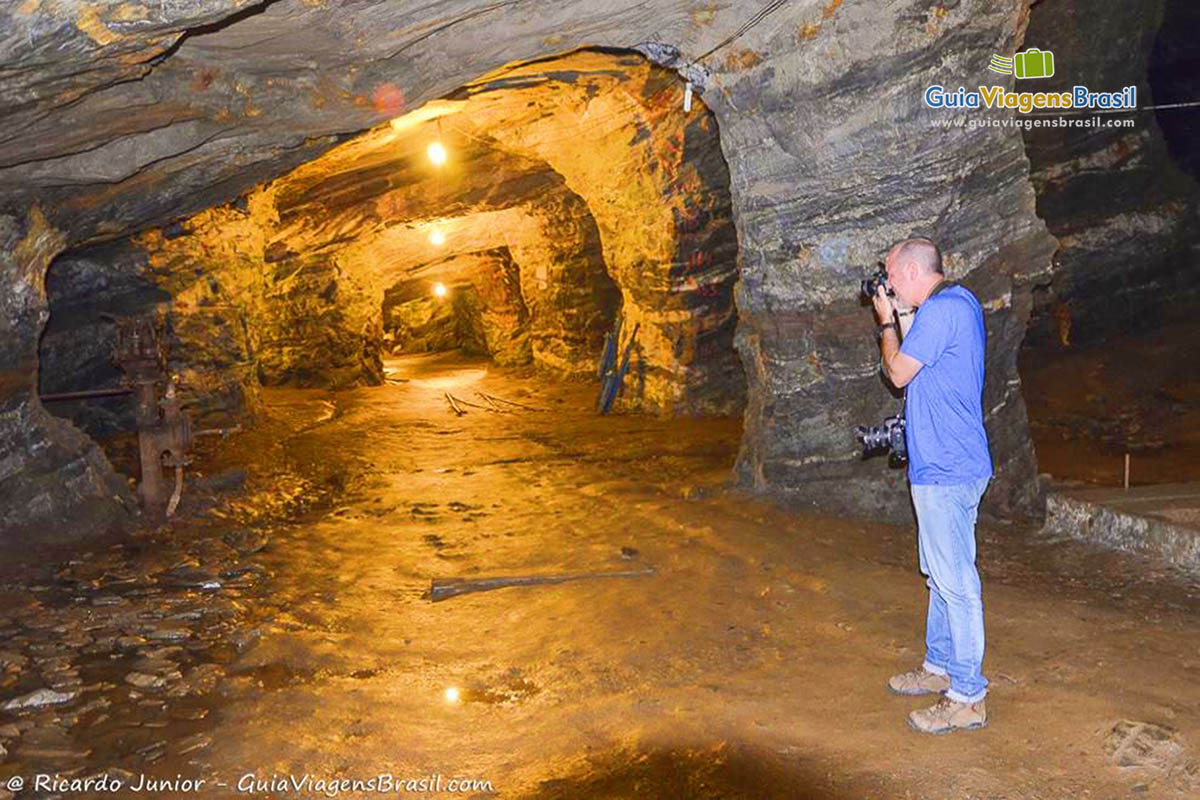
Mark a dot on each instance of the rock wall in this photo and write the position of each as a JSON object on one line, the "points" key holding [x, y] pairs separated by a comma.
{"points": [[433, 325], [503, 314], [834, 157], [483, 311], [54, 481], [654, 179], [280, 315], [77, 348], [1125, 215], [238, 316], [320, 326], [250, 310], [564, 284], [1174, 64]]}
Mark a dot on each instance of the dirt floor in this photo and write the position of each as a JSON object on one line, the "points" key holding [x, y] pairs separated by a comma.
{"points": [[281, 628], [1090, 405]]}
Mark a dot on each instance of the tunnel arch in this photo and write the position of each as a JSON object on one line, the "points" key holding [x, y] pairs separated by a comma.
{"points": [[290, 276], [644, 202]]}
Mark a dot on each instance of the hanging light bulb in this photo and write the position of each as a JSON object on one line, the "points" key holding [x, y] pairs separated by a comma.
{"points": [[436, 153], [437, 237], [439, 289]]}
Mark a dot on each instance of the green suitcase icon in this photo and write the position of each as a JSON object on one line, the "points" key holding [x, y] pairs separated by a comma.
{"points": [[1034, 63]]}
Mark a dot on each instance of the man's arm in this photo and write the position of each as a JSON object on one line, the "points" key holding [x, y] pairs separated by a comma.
{"points": [[899, 367]]}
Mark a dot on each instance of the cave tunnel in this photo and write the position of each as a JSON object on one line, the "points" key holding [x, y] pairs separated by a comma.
{"points": [[462, 400], [519, 219]]}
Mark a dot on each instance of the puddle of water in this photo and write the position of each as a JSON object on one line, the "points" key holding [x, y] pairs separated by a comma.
{"points": [[276, 675], [453, 380], [512, 691], [721, 772]]}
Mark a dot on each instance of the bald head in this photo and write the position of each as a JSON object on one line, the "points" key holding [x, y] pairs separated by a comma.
{"points": [[914, 268], [920, 251]]}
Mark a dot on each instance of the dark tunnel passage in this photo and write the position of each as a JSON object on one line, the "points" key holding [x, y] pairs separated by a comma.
{"points": [[1110, 362], [1174, 76]]}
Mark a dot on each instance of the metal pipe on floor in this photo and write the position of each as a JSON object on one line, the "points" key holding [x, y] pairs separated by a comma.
{"points": [[85, 394]]}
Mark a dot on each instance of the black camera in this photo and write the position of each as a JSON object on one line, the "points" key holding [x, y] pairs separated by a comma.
{"points": [[885, 438], [872, 284]]}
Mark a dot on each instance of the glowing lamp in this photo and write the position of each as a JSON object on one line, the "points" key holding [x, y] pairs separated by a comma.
{"points": [[439, 289], [451, 691], [436, 236], [437, 153]]}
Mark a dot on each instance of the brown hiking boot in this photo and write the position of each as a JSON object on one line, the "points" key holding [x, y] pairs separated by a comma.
{"points": [[947, 715], [918, 681]]}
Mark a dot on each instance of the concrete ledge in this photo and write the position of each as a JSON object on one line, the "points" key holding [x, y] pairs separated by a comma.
{"points": [[1160, 521]]}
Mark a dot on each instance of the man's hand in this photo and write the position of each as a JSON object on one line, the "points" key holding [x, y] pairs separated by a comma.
{"points": [[899, 367], [883, 306]]}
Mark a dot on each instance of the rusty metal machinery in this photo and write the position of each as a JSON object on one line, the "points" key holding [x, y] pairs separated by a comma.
{"points": [[164, 427]]}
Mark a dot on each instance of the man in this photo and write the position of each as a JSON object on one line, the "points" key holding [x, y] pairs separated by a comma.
{"points": [[949, 466]]}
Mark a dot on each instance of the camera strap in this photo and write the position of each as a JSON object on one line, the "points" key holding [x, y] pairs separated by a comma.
{"points": [[941, 287]]}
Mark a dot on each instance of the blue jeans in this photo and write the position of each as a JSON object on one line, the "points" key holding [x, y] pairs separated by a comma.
{"points": [[946, 544]]}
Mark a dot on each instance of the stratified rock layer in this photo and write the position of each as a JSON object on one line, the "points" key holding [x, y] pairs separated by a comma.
{"points": [[832, 161], [1126, 217], [54, 481], [482, 312]]}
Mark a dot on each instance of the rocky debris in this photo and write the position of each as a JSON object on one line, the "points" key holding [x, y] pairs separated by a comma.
{"points": [[12, 662], [1131, 743], [202, 679], [39, 698], [188, 576], [122, 647], [152, 752], [144, 681], [192, 744], [244, 574], [225, 480], [246, 542]]}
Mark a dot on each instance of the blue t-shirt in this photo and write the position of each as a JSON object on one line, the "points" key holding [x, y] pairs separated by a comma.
{"points": [[944, 403]]}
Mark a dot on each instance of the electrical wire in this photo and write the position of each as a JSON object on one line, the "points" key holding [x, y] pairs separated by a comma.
{"points": [[1091, 112], [767, 10]]}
